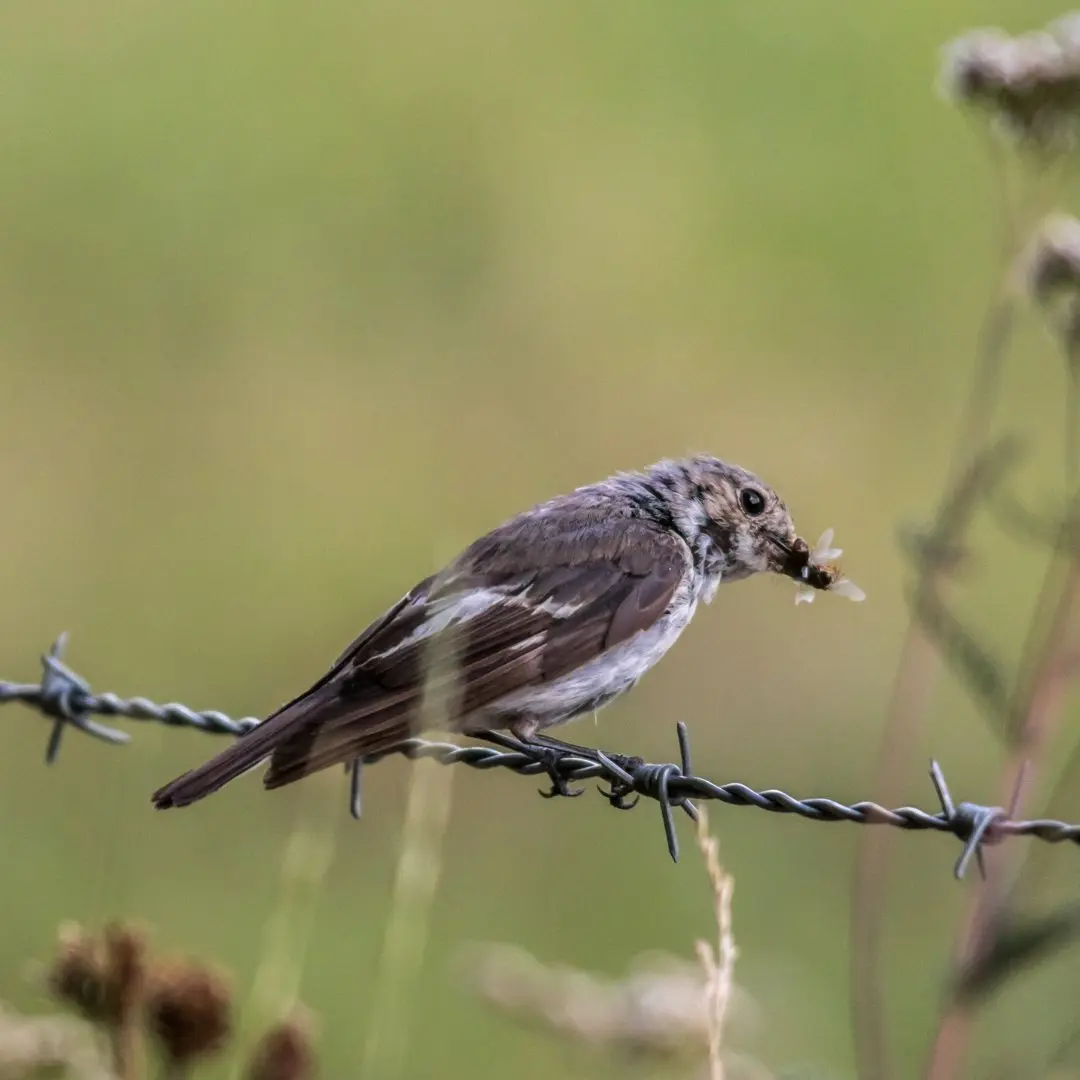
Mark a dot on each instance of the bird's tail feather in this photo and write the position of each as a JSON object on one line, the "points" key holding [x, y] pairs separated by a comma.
{"points": [[317, 749], [317, 730], [244, 754]]}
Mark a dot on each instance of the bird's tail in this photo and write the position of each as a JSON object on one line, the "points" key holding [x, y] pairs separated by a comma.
{"points": [[247, 752]]}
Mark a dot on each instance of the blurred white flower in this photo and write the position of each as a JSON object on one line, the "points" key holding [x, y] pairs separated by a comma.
{"points": [[823, 554]]}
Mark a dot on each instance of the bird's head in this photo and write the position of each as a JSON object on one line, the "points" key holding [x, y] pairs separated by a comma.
{"points": [[731, 518]]}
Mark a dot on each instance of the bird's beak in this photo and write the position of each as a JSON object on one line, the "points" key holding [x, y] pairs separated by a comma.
{"points": [[790, 558]]}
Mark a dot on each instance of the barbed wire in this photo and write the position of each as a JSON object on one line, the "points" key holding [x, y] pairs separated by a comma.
{"points": [[67, 699]]}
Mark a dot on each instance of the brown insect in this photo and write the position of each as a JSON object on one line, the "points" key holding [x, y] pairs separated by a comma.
{"points": [[817, 571]]}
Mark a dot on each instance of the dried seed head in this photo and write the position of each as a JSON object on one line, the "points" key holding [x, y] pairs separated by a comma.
{"points": [[1053, 259], [1066, 31], [125, 952], [35, 1046], [979, 66], [1029, 84], [285, 1052], [659, 1009], [188, 1011], [102, 978], [76, 975], [1051, 271]]}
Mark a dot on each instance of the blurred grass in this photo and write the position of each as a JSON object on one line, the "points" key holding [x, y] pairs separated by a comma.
{"points": [[294, 298]]}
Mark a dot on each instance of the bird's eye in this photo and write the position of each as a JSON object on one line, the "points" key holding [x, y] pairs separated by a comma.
{"points": [[753, 502]]}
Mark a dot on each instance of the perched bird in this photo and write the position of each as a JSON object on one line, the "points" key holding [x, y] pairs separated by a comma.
{"points": [[549, 616]]}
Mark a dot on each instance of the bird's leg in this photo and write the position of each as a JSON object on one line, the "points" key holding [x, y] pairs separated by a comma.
{"points": [[624, 761], [550, 751]]}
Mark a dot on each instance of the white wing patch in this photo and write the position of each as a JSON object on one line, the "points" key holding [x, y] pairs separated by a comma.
{"points": [[528, 643], [460, 608], [447, 612], [549, 607]]}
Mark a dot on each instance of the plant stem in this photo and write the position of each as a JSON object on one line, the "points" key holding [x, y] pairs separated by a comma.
{"points": [[124, 1050], [418, 870], [1039, 705]]}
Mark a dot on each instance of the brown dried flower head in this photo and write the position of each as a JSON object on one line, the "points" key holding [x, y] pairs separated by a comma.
{"points": [[102, 978], [285, 1052], [1029, 84], [188, 1010]]}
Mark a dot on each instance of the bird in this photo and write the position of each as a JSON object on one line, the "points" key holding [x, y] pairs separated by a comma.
{"points": [[548, 617]]}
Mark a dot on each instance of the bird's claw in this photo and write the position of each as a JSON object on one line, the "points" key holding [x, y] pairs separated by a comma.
{"points": [[560, 787], [623, 786], [616, 796], [559, 784]]}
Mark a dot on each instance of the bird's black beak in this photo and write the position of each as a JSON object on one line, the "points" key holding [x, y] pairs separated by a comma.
{"points": [[794, 562], [791, 559]]}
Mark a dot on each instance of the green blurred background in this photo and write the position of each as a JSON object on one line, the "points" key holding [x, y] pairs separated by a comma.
{"points": [[296, 299]]}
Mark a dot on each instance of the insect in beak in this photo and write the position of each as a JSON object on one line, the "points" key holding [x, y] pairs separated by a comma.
{"points": [[816, 570]]}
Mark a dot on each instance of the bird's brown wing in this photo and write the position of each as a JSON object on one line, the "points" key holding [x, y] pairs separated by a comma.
{"points": [[519, 608]]}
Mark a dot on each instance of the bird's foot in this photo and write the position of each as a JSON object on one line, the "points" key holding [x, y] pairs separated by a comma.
{"points": [[551, 752], [551, 756], [621, 765], [622, 786]]}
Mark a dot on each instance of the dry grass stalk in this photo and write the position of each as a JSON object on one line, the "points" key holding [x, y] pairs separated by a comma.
{"points": [[309, 854], [719, 966], [405, 939], [419, 866]]}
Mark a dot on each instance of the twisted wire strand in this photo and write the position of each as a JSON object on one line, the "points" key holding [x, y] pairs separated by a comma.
{"points": [[67, 699]]}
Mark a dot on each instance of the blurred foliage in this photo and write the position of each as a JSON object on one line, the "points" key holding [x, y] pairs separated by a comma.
{"points": [[296, 299]]}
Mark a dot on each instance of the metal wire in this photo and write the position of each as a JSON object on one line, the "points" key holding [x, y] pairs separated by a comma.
{"points": [[67, 699]]}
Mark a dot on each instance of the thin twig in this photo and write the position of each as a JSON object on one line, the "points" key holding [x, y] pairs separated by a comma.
{"points": [[918, 667], [909, 699], [1036, 708]]}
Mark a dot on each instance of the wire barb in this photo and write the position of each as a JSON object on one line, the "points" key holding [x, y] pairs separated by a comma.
{"points": [[971, 823], [67, 698], [63, 696]]}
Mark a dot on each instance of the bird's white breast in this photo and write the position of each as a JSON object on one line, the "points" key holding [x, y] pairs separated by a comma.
{"points": [[607, 675]]}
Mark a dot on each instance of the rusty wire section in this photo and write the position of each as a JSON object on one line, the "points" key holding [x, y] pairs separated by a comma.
{"points": [[66, 698]]}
